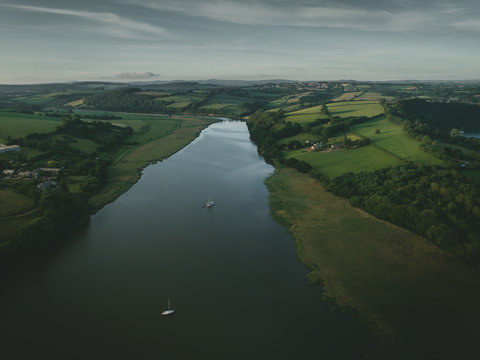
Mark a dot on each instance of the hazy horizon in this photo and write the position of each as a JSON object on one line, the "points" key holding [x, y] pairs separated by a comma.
{"points": [[308, 40]]}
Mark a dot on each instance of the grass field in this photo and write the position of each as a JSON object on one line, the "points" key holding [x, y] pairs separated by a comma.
{"points": [[84, 145], [20, 125], [393, 139], [355, 108], [306, 115], [336, 163], [75, 103], [371, 95], [420, 301], [13, 203], [347, 96], [302, 137]]}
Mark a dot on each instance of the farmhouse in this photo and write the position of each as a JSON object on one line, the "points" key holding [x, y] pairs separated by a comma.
{"points": [[6, 148], [9, 173], [49, 171], [47, 185]]}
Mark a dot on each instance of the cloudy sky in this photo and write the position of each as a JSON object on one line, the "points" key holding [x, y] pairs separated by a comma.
{"points": [[125, 40]]}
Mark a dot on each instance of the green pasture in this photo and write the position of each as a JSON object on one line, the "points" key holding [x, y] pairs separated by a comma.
{"points": [[355, 108], [302, 137], [179, 105], [307, 115], [13, 203], [84, 145], [20, 125], [347, 96], [393, 139], [370, 96], [335, 163]]}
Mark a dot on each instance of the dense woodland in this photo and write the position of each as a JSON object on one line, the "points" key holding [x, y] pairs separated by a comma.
{"points": [[441, 115]]}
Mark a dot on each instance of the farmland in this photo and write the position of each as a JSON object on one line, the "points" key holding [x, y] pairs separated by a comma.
{"points": [[307, 115], [392, 139], [19, 125], [335, 163], [355, 108]]}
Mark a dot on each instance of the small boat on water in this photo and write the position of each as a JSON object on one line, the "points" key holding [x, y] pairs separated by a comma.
{"points": [[169, 311], [210, 203]]}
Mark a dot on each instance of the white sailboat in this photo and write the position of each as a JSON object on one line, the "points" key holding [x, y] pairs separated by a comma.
{"points": [[210, 202], [169, 311]]}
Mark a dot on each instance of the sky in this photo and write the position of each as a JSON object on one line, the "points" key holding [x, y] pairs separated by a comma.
{"points": [[146, 40]]}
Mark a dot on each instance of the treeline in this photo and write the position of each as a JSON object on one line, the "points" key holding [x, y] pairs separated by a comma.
{"points": [[441, 115], [82, 116], [449, 146], [439, 204], [127, 99], [61, 213]]}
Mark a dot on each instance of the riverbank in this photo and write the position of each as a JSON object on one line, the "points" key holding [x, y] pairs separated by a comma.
{"points": [[127, 167], [156, 138], [420, 301]]}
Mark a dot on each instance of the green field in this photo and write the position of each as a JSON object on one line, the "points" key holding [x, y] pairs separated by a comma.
{"points": [[355, 108], [347, 96], [306, 115], [20, 125], [13, 203], [335, 163], [371, 95], [84, 145], [420, 301], [302, 137], [393, 139]]}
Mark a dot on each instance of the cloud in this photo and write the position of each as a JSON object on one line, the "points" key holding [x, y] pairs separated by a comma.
{"points": [[117, 25], [136, 75], [405, 16]]}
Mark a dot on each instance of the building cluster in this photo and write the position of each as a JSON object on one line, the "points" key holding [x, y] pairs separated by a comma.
{"points": [[313, 85], [45, 176], [320, 146], [7, 148]]}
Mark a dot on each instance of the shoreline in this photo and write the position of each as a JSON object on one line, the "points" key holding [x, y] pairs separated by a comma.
{"points": [[179, 140], [124, 172], [385, 273]]}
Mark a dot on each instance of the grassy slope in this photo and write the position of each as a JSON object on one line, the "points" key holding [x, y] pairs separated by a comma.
{"points": [[19, 125], [393, 139], [419, 300], [355, 108], [306, 115], [366, 158], [13, 203]]}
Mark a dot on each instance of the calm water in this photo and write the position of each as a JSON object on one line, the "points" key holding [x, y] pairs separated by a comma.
{"points": [[230, 271], [472, 134]]}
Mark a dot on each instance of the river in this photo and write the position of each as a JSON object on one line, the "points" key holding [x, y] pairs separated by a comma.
{"points": [[230, 271]]}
